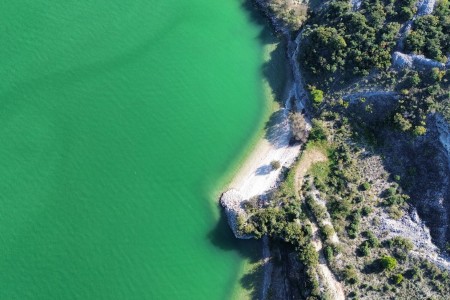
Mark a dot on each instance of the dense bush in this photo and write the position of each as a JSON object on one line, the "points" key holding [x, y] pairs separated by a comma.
{"points": [[372, 239], [317, 95], [397, 278], [350, 274], [309, 256], [275, 165], [318, 132], [353, 227], [400, 242], [365, 186], [364, 249], [327, 231], [328, 252]]}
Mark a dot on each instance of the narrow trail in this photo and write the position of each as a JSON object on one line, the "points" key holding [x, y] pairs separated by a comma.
{"points": [[334, 287]]}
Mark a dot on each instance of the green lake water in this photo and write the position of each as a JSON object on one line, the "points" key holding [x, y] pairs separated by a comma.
{"points": [[118, 121]]}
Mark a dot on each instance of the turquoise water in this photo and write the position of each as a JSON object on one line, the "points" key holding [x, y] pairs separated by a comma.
{"points": [[117, 120]]}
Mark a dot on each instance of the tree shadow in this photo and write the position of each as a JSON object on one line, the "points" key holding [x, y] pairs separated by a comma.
{"points": [[264, 170], [373, 268], [276, 69], [252, 280], [223, 238], [277, 73], [256, 16], [277, 129], [251, 250]]}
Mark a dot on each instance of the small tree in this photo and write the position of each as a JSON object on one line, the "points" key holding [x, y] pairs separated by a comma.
{"points": [[298, 125], [402, 122], [365, 186], [387, 263], [350, 274], [317, 95], [397, 278], [318, 132], [275, 165], [420, 130]]}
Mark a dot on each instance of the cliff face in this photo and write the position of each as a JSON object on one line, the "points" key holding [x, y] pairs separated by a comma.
{"points": [[425, 167], [432, 190], [443, 129]]}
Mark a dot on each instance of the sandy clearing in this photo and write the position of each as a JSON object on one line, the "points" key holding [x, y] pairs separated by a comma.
{"points": [[309, 157]]}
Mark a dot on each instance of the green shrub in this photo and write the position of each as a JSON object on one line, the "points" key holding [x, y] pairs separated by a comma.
{"points": [[364, 249], [366, 210], [309, 256], [401, 243], [317, 95], [329, 253], [395, 213], [387, 263], [317, 132], [397, 278], [350, 274], [419, 130], [275, 165], [365, 186], [372, 239], [390, 192], [353, 227], [327, 231]]}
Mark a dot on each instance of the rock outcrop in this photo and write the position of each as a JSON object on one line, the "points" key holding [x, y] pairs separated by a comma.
{"points": [[231, 201], [401, 61]]}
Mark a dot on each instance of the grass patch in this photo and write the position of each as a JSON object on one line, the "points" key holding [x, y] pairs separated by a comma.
{"points": [[288, 185]]}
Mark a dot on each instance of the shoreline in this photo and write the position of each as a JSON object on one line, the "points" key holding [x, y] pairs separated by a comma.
{"points": [[260, 152], [258, 142], [254, 176]]}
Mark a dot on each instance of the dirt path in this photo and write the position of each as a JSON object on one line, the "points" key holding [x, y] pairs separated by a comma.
{"points": [[334, 287]]}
